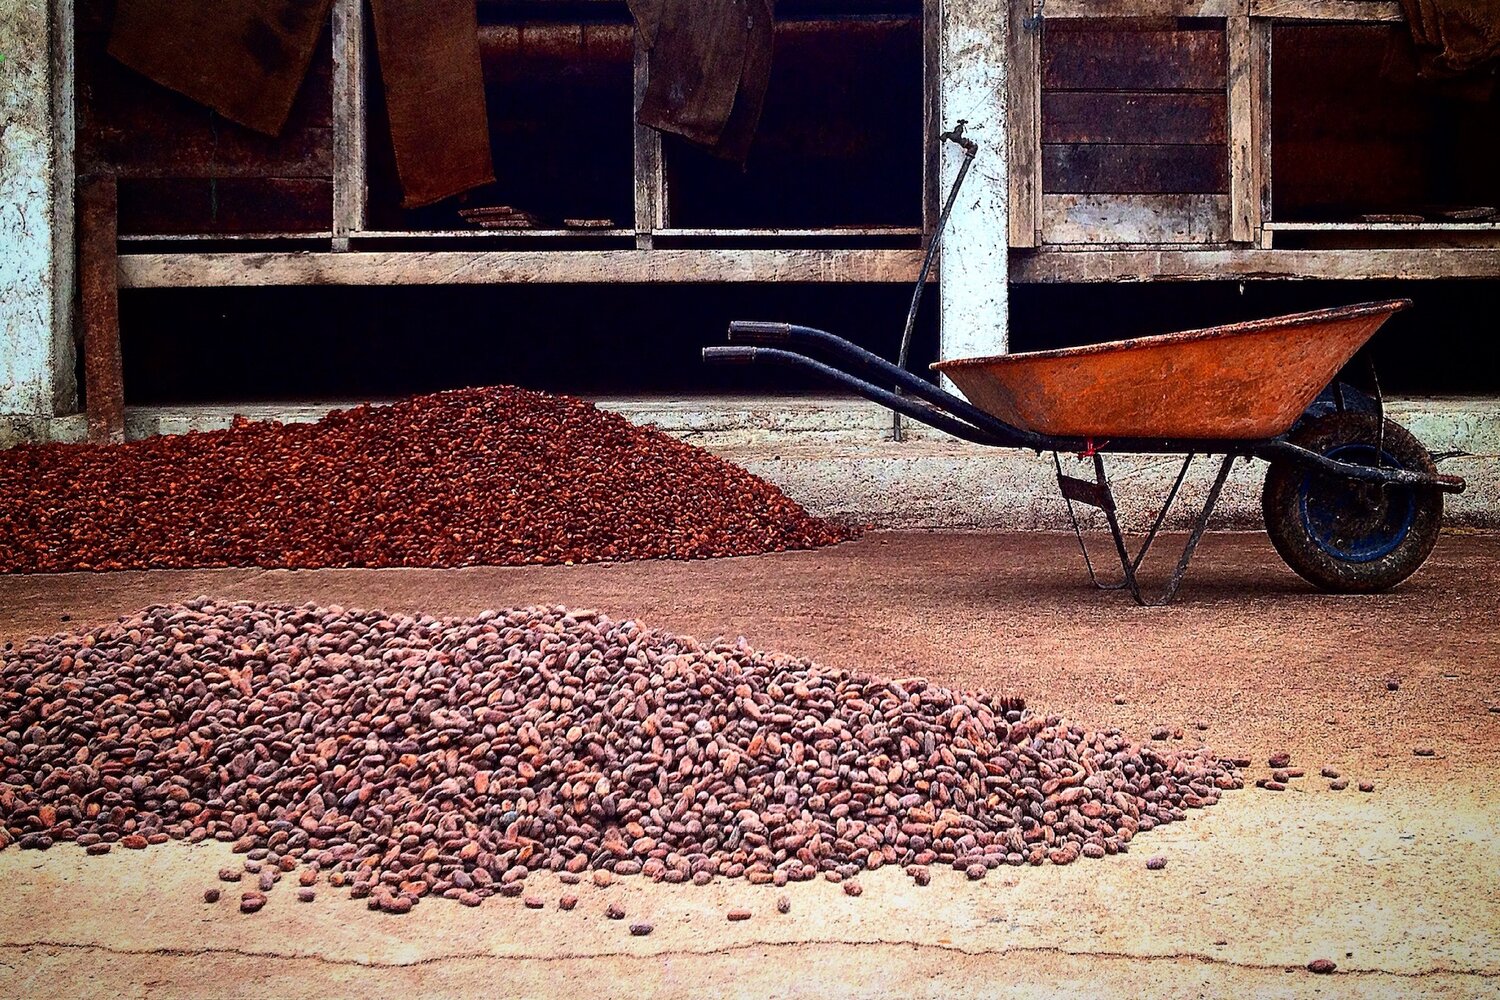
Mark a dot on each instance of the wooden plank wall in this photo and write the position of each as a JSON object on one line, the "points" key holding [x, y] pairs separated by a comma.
{"points": [[185, 169], [1134, 132]]}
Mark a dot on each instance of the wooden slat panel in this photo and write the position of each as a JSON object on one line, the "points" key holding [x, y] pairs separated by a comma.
{"points": [[1103, 169], [1167, 218], [1144, 8], [1072, 266], [1133, 117], [1133, 60], [1024, 124], [1329, 10], [479, 267], [228, 205]]}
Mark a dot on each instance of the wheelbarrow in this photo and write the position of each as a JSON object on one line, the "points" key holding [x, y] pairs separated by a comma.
{"points": [[1352, 501]]}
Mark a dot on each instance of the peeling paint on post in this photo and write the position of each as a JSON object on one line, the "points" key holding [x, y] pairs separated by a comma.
{"points": [[36, 208], [974, 274]]}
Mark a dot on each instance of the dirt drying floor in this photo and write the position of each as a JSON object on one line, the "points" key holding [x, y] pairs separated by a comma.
{"points": [[1401, 888]]}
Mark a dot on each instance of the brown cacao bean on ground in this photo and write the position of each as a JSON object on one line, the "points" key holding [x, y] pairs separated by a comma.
{"points": [[407, 756]]}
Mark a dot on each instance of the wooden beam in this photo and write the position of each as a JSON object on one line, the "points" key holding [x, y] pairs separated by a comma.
{"points": [[471, 267], [350, 152], [1328, 10], [1143, 8], [1243, 201], [1082, 266], [650, 171], [104, 380], [1134, 218], [1024, 124]]}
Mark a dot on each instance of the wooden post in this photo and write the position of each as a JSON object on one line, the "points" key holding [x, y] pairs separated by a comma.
{"points": [[1244, 193], [1260, 119], [932, 110], [1024, 118], [650, 178], [349, 144], [974, 267], [104, 381]]}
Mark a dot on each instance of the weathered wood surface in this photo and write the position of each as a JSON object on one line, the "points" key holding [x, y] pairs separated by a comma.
{"points": [[1025, 116], [491, 267], [349, 142], [1093, 168], [1329, 10], [1144, 8], [1132, 60], [1243, 196], [1073, 266], [650, 178], [1260, 123], [932, 114], [1169, 218], [1187, 117], [104, 380]]}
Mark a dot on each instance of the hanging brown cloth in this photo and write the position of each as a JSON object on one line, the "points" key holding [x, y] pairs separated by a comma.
{"points": [[708, 65], [245, 59], [434, 96], [1454, 37]]}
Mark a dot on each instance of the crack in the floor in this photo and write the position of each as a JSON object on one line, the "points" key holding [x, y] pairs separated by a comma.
{"points": [[723, 950]]}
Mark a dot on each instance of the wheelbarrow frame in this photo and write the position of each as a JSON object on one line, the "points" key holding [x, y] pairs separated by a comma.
{"points": [[863, 373], [845, 364]]}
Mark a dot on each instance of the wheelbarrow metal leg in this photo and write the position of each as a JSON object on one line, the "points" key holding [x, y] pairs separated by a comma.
{"points": [[1098, 494]]}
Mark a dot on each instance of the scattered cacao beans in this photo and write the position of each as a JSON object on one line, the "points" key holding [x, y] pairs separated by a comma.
{"points": [[408, 755]]}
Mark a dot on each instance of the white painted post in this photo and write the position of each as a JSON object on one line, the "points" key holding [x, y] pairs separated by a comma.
{"points": [[973, 271], [36, 209]]}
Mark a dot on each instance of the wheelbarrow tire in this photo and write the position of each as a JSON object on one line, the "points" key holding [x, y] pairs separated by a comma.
{"points": [[1346, 536]]}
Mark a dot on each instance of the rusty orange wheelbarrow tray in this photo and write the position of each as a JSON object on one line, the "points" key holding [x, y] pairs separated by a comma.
{"points": [[1352, 501]]}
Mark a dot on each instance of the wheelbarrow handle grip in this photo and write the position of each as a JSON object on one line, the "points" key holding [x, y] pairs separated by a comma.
{"points": [[757, 332], [729, 355]]}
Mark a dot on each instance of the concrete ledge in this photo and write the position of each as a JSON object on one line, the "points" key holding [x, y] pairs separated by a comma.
{"points": [[835, 455]]}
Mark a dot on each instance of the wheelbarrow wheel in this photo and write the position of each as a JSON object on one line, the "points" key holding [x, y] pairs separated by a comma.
{"points": [[1348, 536]]}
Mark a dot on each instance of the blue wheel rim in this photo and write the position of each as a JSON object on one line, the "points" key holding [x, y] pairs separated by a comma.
{"points": [[1356, 523]]}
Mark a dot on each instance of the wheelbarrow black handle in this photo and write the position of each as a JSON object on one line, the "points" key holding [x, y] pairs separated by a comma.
{"points": [[749, 331], [911, 407], [868, 367]]}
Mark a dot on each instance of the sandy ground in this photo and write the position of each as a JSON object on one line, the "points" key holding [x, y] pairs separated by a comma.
{"points": [[1400, 887]]}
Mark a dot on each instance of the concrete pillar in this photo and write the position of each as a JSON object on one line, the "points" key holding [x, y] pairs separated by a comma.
{"points": [[36, 209], [973, 265]]}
